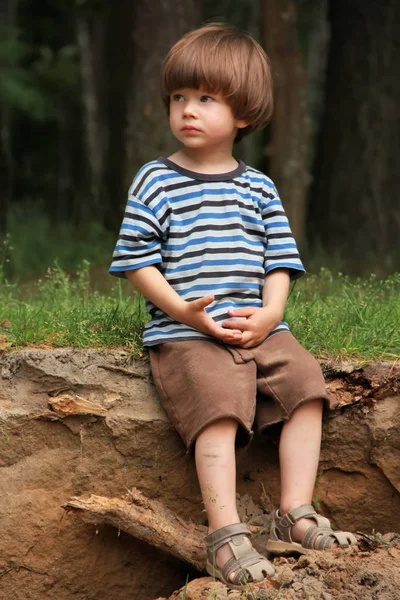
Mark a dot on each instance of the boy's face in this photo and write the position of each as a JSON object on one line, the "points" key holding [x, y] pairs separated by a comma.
{"points": [[199, 119]]}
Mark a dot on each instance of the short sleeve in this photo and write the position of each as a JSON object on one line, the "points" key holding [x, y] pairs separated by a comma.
{"points": [[281, 249], [139, 241]]}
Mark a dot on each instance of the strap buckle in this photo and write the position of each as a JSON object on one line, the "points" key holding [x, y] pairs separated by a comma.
{"points": [[287, 520]]}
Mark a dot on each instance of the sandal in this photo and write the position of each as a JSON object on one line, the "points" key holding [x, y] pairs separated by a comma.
{"points": [[251, 566], [317, 537]]}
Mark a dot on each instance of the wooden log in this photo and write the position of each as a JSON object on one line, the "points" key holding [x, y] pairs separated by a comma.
{"points": [[146, 519]]}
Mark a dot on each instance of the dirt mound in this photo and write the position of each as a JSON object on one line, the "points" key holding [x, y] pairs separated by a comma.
{"points": [[76, 422], [343, 574]]}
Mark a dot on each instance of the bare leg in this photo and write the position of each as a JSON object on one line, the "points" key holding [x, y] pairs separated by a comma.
{"points": [[216, 471], [299, 450]]}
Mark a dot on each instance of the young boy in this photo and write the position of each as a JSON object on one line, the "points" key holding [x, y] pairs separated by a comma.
{"points": [[206, 240]]}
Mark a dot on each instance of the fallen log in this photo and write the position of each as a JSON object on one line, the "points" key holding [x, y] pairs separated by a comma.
{"points": [[374, 563], [145, 519]]}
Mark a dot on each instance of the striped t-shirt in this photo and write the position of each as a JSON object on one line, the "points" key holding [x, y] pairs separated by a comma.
{"points": [[207, 234]]}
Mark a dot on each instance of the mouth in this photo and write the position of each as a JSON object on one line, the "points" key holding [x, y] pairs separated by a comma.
{"points": [[190, 128]]}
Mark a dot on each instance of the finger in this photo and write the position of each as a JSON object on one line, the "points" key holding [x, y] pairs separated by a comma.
{"points": [[251, 342], [228, 335], [241, 325], [201, 303], [241, 342], [247, 311]]}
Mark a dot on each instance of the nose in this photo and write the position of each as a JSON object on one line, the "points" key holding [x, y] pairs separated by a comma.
{"points": [[189, 109]]}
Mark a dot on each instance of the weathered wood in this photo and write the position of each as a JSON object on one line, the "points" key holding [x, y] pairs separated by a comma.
{"points": [[147, 520]]}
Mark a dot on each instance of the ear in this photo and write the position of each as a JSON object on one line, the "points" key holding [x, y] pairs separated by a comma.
{"points": [[241, 123]]}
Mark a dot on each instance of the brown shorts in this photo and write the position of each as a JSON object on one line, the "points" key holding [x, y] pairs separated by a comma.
{"points": [[200, 382]]}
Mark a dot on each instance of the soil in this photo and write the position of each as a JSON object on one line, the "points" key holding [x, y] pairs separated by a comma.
{"points": [[79, 422], [351, 574], [370, 571]]}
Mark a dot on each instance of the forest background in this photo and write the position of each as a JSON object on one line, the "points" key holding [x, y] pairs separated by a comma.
{"points": [[80, 113]]}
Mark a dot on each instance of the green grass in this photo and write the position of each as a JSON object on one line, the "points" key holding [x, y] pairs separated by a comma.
{"points": [[332, 316], [63, 310], [337, 316]]}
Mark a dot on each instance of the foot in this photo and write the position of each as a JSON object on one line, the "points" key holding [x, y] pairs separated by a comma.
{"points": [[221, 558], [301, 529], [232, 559]]}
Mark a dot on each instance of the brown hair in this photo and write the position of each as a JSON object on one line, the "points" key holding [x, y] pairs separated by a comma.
{"points": [[222, 59]]}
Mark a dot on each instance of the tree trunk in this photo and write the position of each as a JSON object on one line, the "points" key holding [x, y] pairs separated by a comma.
{"points": [[8, 11], [119, 57], [356, 208], [294, 33], [157, 27], [90, 34]]}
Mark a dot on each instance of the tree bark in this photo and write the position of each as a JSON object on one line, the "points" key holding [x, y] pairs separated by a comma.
{"points": [[297, 81], [147, 520], [8, 12], [355, 206], [157, 26], [90, 34], [119, 60]]}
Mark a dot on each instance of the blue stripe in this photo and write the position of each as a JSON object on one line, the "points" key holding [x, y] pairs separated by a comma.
{"points": [[297, 266], [136, 265], [264, 181], [210, 239], [252, 303], [146, 232], [267, 205], [219, 286], [221, 215], [202, 193], [133, 248], [278, 224], [149, 333], [140, 207], [280, 246], [156, 179], [212, 263]]}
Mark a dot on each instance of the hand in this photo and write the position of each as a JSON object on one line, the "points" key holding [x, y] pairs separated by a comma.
{"points": [[195, 315], [256, 326]]}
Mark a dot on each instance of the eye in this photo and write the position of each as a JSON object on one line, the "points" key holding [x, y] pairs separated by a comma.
{"points": [[177, 97], [206, 99]]}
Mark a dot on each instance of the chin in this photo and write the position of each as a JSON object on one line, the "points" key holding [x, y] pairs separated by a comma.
{"points": [[193, 143]]}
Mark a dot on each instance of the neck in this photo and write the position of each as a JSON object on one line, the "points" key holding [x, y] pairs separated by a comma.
{"points": [[205, 160]]}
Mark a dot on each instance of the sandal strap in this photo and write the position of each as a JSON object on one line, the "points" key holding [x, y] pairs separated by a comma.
{"points": [[316, 538], [294, 515], [250, 563], [221, 536], [320, 538], [281, 526], [247, 562]]}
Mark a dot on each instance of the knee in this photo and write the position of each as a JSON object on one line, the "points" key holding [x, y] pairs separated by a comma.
{"points": [[310, 408], [221, 430]]}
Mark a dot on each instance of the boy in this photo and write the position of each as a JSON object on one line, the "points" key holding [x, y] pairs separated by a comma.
{"points": [[206, 240]]}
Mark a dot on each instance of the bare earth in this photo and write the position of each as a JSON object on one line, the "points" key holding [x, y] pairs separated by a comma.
{"points": [[78, 422]]}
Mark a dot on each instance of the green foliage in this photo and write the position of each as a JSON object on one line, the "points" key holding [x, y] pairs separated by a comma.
{"points": [[35, 79], [37, 243]]}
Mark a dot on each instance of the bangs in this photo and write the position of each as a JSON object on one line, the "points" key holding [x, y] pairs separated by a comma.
{"points": [[209, 68]]}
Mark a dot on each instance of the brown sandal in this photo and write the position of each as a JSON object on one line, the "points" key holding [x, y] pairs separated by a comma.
{"points": [[250, 565], [317, 537]]}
